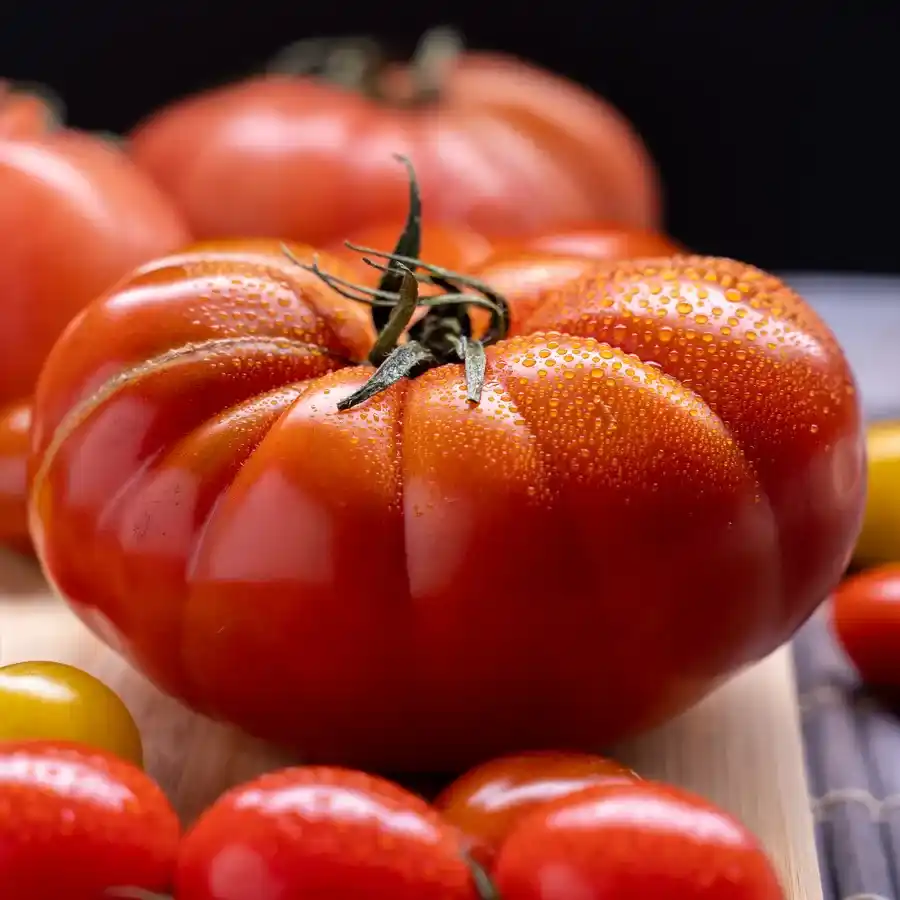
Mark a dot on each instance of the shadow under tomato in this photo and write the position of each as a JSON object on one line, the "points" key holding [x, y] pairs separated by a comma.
{"points": [[20, 576]]}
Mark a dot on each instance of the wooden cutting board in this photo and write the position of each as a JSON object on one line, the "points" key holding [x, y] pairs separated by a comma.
{"points": [[741, 747]]}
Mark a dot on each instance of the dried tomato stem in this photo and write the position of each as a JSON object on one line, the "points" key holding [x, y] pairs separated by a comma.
{"points": [[437, 51], [484, 884], [399, 319], [409, 244], [354, 63]]}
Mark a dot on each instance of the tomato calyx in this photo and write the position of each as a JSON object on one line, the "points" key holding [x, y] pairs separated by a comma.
{"points": [[484, 884], [443, 335], [360, 63]]}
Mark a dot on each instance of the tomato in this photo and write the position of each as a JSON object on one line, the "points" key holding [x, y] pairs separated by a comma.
{"points": [[78, 822], [302, 158], [317, 832], [633, 840], [527, 271], [15, 422], [488, 801], [76, 216], [597, 240], [53, 701], [866, 616], [460, 565]]}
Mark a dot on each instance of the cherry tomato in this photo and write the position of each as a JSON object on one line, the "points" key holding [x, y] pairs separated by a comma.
{"points": [[15, 422], [414, 575], [78, 822], [501, 146], [316, 832], [53, 701], [633, 840], [866, 615], [488, 801]]}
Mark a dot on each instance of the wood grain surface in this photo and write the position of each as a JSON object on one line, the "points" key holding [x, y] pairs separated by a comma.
{"points": [[741, 747]]}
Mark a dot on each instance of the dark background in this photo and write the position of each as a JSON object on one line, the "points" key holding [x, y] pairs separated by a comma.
{"points": [[774, 125]]}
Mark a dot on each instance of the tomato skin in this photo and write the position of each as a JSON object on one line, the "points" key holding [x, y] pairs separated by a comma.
{"points": [[15, 421], [227, 485], [56, 702], [318, 833], [597, 240], [488, 801], [633, 840], [79, 821], [76, 217], [866, 617], [247, 159]]}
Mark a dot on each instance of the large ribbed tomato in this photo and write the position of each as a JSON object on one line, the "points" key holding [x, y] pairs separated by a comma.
{"points": [[297, 157], [660, 478]]}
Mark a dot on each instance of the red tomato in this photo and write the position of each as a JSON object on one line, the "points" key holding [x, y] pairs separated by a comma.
{"points": [[416, 578], [76, 216], [633, 840], [316, 832], [866, 613], [526, 272], [297, 157], [15, 421], [77, 822], [488, 801]]}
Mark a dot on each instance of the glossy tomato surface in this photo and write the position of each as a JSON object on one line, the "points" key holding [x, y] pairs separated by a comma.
{"points": [[866, 617], [80, 823], [633, 840], [77, 215], [15, 421], [489, 801], [663, 478], [287, 156], [322, 833], [42, 700]]}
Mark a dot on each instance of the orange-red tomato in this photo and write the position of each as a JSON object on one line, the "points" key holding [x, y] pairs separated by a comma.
{"points": [[422, 582], [633, 840], [501, 146], [76, 216], [15, 421], [488, 801], [866, 616], [597, 240]]}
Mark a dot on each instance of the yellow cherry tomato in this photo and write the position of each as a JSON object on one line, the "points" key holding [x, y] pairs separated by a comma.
{"points": [[53, 701], [879, 541]]}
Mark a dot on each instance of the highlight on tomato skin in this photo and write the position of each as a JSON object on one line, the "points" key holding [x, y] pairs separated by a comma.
{"points": [[637, 839], [488, 801], [865, 615], [323, 832]]}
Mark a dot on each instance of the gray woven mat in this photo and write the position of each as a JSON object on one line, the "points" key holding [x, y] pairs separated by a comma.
{"points": [[852, 745]]}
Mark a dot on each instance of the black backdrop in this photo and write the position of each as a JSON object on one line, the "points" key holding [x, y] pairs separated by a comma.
{"points": [[773, 123]]}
